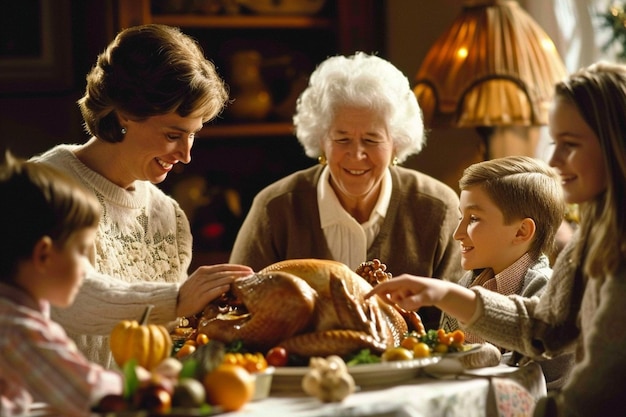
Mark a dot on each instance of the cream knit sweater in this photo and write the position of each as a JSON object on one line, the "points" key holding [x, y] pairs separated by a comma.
{"points": [[142, 253]]}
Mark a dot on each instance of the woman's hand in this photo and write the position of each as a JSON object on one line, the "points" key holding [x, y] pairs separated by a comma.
{"points": [[205, 285], [411, 293]]}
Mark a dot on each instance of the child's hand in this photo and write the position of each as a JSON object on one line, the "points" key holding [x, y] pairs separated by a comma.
{"points": [[410, 292]]}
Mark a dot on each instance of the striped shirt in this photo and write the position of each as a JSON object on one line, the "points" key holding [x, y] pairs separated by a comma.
{"points": [[510, 280], [526, 277], [38, 362]]}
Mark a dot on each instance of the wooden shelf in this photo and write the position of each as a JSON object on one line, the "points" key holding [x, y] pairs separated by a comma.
{"points": [[242, 22], [246, 129]]}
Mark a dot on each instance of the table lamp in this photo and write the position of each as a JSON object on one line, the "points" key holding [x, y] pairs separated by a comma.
{"points": [[493, 67]]}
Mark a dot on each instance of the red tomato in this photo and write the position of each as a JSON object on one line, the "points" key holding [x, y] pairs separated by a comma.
{"points": [[277, 356]]}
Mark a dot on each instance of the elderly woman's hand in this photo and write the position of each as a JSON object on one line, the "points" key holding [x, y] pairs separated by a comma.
{"points": [[205, 285]]}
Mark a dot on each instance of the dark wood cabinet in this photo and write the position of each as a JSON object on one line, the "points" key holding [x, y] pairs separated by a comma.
{"points": [[291, 45]]}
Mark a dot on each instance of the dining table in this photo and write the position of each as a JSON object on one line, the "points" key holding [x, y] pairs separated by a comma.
{"points": [[442, 389], [435, 391]]}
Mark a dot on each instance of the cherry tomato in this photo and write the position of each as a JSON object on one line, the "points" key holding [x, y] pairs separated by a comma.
{"points": [[277, 356], [443, 337], [441, 348], [230, 358]]}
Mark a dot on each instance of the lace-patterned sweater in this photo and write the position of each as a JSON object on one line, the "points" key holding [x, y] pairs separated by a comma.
{"points": [[142, 253]]}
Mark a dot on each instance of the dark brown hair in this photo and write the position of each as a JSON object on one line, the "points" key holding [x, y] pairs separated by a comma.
{"points": [[37, 201], [147, 71]]}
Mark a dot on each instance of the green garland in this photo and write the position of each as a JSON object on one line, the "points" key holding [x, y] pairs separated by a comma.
{"points": [[615, 19]]}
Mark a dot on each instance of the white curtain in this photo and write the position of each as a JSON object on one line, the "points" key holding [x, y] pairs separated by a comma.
{"points": [[577, 32], [575, 28]]}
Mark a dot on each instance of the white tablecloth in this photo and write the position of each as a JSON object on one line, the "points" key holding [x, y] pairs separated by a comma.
{"points": [[489, 393], [420, 398]]}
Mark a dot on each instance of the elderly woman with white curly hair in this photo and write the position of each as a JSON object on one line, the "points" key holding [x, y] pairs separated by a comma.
{"points": [[360, 119]]}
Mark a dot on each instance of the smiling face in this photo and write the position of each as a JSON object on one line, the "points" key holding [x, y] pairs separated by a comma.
{"points": [[577, 155], [152, 147], [486, 241], [359, 151]]}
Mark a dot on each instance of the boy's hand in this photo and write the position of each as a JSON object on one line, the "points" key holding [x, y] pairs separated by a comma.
{"points": [[411, 293]]}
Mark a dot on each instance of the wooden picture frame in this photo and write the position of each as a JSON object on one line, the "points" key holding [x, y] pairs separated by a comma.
{"points": [[36, 46]]}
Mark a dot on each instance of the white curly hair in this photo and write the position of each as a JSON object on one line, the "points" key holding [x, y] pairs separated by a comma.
{"points": [[359, 80]]}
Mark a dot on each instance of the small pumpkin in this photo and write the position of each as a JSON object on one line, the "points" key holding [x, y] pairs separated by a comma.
{"points": [[149, 344]]}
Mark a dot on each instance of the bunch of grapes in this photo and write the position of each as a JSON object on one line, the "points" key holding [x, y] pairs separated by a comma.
{"points": [[373, 271]]}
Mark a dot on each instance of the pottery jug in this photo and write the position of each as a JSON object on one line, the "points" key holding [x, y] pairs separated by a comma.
{"points": [[252, 99]]}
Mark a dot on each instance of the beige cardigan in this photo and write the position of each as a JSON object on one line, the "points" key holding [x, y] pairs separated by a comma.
{"points": [[415, 237]]}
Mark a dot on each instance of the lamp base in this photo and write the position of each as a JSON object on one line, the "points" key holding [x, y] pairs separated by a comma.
{"points": [[500, 141], [485, 133]]}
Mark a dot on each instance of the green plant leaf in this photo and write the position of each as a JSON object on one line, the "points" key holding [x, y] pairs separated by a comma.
{"points": [[362, 357], [131, 381], [189, 369]]}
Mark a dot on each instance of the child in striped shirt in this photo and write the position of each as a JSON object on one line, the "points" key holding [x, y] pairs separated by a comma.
{"points": [[48, 224]]}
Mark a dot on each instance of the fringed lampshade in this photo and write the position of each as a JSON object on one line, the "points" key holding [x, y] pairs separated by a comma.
{"points": [[494, 66]]}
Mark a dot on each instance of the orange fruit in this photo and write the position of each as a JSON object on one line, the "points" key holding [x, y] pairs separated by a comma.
{"points": [[229, 386], [458, 337], [409, 342], [186, 350], [202, 339]]}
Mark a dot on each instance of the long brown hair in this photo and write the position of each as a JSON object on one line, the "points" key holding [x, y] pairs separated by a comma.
{"points": [[599, 93]]}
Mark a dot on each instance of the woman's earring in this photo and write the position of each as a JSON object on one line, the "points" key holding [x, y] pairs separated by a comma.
{"points": [[394, 161], [123, 131], [322, 160]]}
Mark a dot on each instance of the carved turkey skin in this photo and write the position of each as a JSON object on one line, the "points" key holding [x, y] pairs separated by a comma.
{"points": [[311, 307]]}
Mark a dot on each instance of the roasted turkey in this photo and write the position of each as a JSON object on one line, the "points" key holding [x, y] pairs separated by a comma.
{"points": [[311, 307]]}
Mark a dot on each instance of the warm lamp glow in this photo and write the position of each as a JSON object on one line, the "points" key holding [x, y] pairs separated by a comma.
{"points": [[494, 66]]}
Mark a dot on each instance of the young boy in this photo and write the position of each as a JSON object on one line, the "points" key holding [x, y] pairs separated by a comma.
{"points": [[511, 209], [48, 224]]}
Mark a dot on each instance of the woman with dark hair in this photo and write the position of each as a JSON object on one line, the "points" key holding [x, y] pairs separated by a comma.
{"points": [[149, 93]]}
